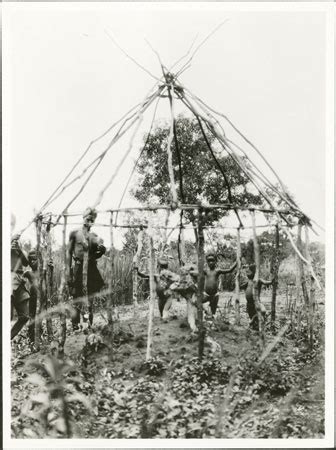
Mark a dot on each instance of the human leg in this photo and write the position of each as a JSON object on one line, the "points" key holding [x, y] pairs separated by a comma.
{"points": [[161, 303], [20, 303], [166, 307], [213, 303], [252, 313], [77, 294], [91, 301], [32, 313]]}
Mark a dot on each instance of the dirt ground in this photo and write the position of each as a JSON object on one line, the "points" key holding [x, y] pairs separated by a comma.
{"points": [[171, 341]]}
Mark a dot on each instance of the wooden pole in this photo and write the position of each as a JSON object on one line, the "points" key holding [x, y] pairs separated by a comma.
{"points": [[165, 234], [312, 293], [237, 301], [275, 271], [136, 259], [301, 268], [200, 283], [169, 152], [85, 301], [297, 281], [111, 281], [155, 207], [256, 290], [49, 282], [181, 244], [40, 284], [63, 288], [152, 297]]}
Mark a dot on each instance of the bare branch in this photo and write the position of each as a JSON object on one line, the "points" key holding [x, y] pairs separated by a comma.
{"points": [[163, 67], [131, 57], [200, 45]]}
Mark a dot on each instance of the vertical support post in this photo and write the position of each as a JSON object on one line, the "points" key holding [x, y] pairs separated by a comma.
{"points": [[237, 288], [135, 270], [275, 271], [301, 268], [169, 152], [183, 251], [49, 281], [40, 283], [152, 296], [256, 282], [111, 284], [85, 300], [165, 234], [63, 287], [312, 293], [297, 279], [200, 283], [302, 280]]}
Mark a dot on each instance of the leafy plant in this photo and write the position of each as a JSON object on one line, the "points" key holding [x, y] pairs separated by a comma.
{"points": [[154, 366], [49, 409]]}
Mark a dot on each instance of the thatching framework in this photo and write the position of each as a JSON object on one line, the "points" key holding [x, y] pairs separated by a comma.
{"points": [[168, 87]]}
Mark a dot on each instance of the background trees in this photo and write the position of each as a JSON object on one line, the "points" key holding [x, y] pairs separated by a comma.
{"points": [[201, 178]]}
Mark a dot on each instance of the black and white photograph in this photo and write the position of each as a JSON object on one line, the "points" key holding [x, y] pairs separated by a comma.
{"points": [[168, 220]]}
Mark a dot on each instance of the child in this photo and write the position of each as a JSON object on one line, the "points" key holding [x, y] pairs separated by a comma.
{"points": [[163, 280], [187, 288], [211, 281], [250, 306]]}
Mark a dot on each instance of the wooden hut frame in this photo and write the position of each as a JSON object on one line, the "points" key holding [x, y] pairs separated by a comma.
{"points": [[169, 86]]}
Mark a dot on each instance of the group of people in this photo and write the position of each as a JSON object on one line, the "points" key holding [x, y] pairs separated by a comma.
{"points": [[168, 284], [24, 277]]}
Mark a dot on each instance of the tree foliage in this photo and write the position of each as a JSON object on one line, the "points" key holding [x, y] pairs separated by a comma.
{"points": [[201, 178]]}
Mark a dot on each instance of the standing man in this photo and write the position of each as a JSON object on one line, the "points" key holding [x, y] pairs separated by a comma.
{"points": [[20, 288], [81, 241]]}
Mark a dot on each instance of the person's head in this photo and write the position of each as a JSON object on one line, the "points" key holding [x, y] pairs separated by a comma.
{"points": [[251, 271], [211, 260], [193, 271], [162, 263], [89, 217], [13, 222], [32, 259]]}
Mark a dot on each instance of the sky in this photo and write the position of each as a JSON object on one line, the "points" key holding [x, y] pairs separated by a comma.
{"points": [[67, 82]]}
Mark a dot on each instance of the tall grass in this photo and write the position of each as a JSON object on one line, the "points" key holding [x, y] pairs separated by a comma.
{"points": [[121, 275]]}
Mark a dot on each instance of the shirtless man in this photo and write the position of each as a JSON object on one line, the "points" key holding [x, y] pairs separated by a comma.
{"points": [[211, 281], [81, 241], [163, 281], [249, 292], [20, 290]]}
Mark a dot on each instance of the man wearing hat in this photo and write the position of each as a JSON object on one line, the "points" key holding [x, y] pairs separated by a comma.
{"points": [[81, 241]]}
